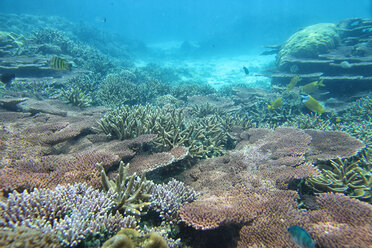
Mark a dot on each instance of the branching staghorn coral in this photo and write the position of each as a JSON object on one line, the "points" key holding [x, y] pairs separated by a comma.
{"points": [[352, 177], [357, 120], [168, 198], [76, 97], [11, 44], [133, 193], [312, 120], [73, 212], [205, 137]]}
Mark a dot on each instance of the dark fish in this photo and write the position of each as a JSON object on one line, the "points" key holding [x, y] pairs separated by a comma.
{"points": [[246, 71], [7, 78], [60, 64], [301, 237]]}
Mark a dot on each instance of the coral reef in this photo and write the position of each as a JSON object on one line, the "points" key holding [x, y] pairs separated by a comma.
{"points": [[269, 159], [337, 53], [266, 215], [133, 193], [72, 212], [357, 120], [63, 177], [265, 159], [44, 150]]}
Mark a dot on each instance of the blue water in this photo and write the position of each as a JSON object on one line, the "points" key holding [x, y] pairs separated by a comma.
{"points": [[234, 24]]}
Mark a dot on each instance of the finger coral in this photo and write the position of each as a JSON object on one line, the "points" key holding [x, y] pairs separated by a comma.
{"points": [[133, 193]]}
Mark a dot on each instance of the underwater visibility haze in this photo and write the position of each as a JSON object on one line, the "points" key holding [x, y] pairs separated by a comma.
{"points": [[186, 124]]}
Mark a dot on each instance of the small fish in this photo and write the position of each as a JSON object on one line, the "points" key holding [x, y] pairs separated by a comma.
{"points": [[293, 82], [100, 19], [246, 71], [301, 237], [312, 104], [59, 64], [276, 104], [338, 119], [311, 87], [7, 78]]}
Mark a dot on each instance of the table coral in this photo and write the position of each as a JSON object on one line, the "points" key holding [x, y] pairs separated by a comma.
{"points": [[341, 221]]}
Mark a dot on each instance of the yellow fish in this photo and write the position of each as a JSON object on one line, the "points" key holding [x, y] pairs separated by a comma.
{"points": [[311, 87], [312, 104], [276, 104], [293, 82], [59, 64]]}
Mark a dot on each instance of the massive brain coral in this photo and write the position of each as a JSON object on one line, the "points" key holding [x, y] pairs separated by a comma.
{"points": [[309, 42]]}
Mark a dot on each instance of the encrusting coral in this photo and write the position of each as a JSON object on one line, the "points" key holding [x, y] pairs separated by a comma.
{"points": [[131, 238], [133, 193]]}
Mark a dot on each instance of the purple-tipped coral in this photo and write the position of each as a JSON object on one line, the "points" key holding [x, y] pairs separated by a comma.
{"points": [[71, 211], [168, 198]]}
